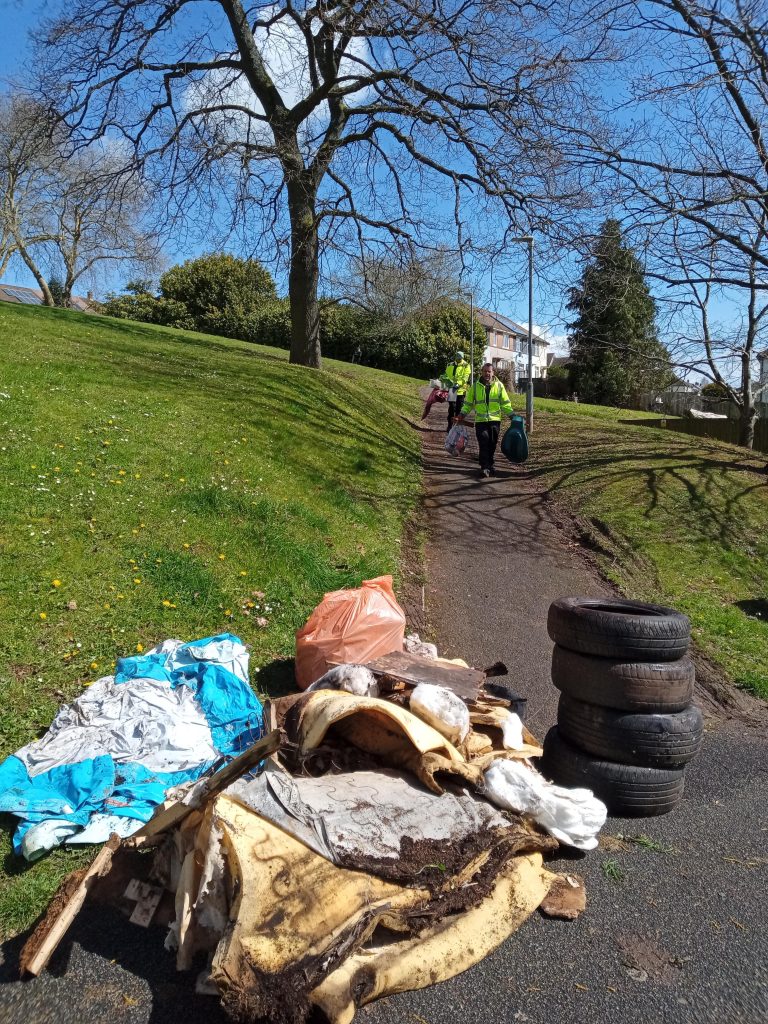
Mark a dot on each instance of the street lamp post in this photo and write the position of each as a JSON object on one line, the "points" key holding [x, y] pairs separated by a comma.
{"points": [[528, 239], [472, 339], [471, 297]]}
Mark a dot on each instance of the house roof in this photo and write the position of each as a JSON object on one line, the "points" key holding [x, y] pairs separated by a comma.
{"points": [[497, 321], [553, 360], [34, 297]]}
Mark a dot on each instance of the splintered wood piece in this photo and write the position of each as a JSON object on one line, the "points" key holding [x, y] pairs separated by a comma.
{"points": [[170, 817], [412, 669], [64, 907]]}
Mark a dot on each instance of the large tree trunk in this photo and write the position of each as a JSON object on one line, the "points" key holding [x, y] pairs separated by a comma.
{"points": [[304, 276], [747, 422], [748, 411], [48, 299]]}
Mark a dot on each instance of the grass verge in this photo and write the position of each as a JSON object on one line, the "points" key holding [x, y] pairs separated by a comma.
{"points": [[675, 519], [158, 483]]}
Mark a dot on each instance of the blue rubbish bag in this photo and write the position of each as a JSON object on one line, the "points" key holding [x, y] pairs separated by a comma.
{"points": [[514, 444]]}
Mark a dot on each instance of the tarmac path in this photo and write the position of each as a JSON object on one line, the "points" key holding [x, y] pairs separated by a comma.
{"points": [[675, 926], [681, 936]]}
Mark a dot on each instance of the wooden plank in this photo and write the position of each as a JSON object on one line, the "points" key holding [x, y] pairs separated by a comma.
{"points": [[41, 945], [170, 817], [413, 669]]}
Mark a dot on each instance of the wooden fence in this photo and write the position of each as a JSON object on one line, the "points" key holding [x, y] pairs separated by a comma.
{"points": [[720, 430]]}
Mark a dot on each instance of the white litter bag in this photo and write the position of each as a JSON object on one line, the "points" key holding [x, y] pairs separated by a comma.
{"points": [[457, 439], [413, 644], [355, 679], [572, 816], [442, 709]]}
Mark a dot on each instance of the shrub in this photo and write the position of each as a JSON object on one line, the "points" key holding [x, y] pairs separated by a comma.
{"points": [[218, 286]]}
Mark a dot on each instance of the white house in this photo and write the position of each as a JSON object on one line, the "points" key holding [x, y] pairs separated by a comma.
{"points": [[507, 345]]}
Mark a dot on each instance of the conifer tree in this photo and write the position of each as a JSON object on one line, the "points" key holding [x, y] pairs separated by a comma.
{"points": [[614, 347]]}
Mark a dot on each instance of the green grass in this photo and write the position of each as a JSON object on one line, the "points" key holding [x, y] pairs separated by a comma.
{"points": [[157, 483], [612, 870], [675, 519], [599, 412]]}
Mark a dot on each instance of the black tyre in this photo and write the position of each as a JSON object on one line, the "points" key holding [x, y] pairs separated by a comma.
{"points": [[655, 741], [626, 790], [629, 630], [624, 685]]}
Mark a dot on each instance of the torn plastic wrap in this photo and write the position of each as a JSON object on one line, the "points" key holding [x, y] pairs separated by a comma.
{"points": [[110, 757]]}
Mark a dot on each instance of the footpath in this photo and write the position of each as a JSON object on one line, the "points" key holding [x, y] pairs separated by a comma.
{"points": [[675, 924], [675, 927]]}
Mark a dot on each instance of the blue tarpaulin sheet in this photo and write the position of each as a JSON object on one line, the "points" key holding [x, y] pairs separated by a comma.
{"points": [[109, 758]]}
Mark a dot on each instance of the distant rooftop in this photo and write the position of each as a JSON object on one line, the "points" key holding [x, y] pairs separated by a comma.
{"points": [[497, 321], [34, 297]]}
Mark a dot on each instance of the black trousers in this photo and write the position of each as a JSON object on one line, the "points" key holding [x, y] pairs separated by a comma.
{"points": [[454, 409], [487, 439]]}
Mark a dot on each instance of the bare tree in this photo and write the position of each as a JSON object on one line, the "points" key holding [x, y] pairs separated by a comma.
{"points": [[689, 152], [397, 286], [63, 213], [98, 213], [335, 123], [27, 157]]}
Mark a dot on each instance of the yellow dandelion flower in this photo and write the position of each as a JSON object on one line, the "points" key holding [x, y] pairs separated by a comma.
{"points": [[107, 605], [105, 443], [136, 579], [243, 572], [139, 648], [94, 664], [55, 583], [227, 611], [121, 472], [167, 604], [43, 615], [222, 557], [182, 479], [185, 545]]}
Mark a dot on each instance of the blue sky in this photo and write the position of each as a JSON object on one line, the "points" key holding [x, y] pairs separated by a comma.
{"points": [[17, 16]]}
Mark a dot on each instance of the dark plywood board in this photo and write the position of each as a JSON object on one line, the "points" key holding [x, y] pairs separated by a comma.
{"points": [[412, 669]]}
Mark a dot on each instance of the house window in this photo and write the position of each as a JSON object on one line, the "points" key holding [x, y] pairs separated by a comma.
{"points": [[506, 341]]}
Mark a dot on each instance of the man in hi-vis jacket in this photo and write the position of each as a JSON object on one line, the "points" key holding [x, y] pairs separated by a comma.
{"points": [[456, 377], [488, 399]]}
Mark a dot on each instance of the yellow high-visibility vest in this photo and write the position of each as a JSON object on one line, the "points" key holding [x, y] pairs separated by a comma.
{"points": [[458, 374], [487, 409]]}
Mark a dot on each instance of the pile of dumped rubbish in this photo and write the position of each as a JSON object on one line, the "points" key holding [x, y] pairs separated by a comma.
{"points": [[380, 830]]}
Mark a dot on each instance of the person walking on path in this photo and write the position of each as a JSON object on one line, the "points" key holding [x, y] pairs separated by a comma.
{"points": [[488, 399], [457, 374]]}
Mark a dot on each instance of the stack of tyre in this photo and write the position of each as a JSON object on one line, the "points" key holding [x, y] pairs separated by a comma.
{"points": [[626, 726]]}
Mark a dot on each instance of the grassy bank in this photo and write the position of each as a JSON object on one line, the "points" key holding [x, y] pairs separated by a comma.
{"points": [[156, 483], [676, 519]]}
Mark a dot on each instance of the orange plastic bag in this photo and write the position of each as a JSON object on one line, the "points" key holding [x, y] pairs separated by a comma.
{"points": [[349, 626]]}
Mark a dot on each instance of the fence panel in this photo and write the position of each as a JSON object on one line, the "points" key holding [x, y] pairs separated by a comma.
{"points": [[719, 430]]}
